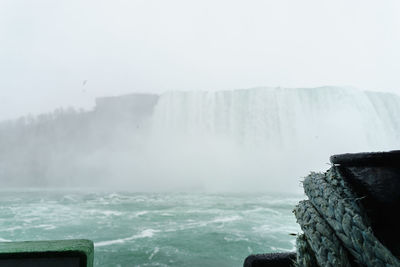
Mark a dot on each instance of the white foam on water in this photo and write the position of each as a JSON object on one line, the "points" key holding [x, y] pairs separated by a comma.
{"points": [[10, 229], [140, 213], [226, 219], [236, 239], [45, 226], [156, 250], [30, 220], [106, 213], [147, 233], [268, 211], [211, 218], [111, 213], [282, 249]]}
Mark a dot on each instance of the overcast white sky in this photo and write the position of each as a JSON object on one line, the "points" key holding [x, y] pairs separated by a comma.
{"points": [[48, 48]]}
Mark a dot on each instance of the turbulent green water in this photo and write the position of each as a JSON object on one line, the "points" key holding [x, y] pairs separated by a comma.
{"points": [[144, 229]]}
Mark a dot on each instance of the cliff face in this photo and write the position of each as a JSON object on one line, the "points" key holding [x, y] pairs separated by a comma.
{"points": [[133, 106], [65, 147]]}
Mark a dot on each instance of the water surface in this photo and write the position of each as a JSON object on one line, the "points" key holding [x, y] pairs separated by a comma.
{"points": [[154, 229]]}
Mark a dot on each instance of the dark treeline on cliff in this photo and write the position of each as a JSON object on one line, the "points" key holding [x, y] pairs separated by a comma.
{"points": [[66, 146]]}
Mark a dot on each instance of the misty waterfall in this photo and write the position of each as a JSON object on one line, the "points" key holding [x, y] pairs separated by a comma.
{"points": [[198, 140]]}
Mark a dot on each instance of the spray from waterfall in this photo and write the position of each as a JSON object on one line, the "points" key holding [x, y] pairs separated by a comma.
{"points": [[261, 139]]}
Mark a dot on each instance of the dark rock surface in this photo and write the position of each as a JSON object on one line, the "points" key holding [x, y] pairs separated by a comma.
{"points": [[270, 259], [390, 158], [375, 178]]}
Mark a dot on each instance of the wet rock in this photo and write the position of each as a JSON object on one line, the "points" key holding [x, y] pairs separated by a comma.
{"points": [[375, 178], [270, 260]]}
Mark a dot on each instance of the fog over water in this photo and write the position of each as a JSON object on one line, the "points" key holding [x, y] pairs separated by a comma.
{"points": [[178, 119], [259, 139]]}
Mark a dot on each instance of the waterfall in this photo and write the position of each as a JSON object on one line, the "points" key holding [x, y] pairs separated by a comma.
{"points": [[238, 140], [275, 134]]}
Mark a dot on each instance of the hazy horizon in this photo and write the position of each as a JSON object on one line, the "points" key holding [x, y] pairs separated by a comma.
{"points": [[56, 54], [92, 105]]}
